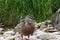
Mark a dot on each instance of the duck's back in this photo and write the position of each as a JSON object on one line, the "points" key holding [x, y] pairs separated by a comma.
{"points": [[28, 29]]}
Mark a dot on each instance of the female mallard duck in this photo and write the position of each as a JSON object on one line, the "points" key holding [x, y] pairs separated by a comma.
{"points": [[26, 26]]}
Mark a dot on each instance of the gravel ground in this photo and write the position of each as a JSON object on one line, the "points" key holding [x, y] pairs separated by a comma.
{"points": [[41, 33]]}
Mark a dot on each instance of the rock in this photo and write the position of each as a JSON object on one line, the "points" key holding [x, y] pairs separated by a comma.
{"points": [[56, 20], [12, 37], [8, 33], [1, 37], [47, 36], [37, 25], [42, 25], [35, 34], [8, 36], [1, 25], [1, 30], [50, 29], [38, 32], [56, 33]]}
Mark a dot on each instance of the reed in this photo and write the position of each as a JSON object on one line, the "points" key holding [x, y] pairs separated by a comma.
{"points": [[11, 11]]}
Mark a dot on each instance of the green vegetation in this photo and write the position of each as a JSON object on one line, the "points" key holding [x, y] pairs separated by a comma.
{"points": [[11, 11]]}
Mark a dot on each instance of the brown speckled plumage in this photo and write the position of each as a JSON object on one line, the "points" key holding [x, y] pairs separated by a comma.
{"points": [[26, 26]]}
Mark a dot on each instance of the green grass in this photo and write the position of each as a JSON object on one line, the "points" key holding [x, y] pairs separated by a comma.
{"points": [[11, 11]]}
